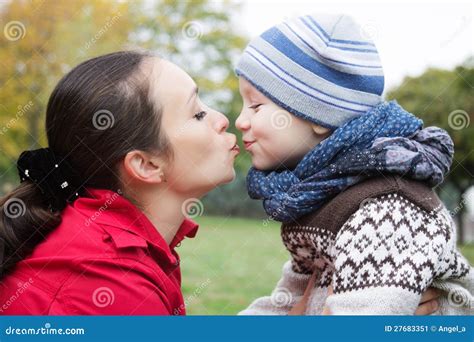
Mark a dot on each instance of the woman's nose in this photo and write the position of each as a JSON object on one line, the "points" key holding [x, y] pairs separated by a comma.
{"points": [[222, 123]]}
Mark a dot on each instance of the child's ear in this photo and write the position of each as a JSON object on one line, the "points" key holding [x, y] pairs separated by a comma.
{"points": [[320, 130]]}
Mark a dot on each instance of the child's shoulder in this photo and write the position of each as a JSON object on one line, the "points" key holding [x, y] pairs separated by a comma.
{"points": [[370, 197]]}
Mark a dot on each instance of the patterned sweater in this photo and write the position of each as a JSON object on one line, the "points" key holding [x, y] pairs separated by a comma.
{"points": [[380, 244]]}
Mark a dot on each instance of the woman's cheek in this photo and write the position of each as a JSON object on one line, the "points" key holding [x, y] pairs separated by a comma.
{"points": [[207, 150], [187, 146]]}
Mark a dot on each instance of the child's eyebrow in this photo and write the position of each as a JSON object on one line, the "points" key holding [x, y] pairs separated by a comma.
{"points": [[255, 95]]}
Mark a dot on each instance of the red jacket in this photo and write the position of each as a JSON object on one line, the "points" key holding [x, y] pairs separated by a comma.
{"points": [[105, 258]]}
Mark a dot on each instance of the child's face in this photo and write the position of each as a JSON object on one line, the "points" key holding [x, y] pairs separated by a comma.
{"points": [[275, 138]]}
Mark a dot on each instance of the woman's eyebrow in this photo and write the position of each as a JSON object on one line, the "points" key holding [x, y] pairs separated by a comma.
{"points": [[193, 93]]}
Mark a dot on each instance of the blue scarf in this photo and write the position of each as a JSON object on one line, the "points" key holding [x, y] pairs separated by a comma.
{"points": [[385, 140]]}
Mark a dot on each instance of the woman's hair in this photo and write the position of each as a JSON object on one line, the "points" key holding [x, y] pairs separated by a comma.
{"points": [[96, 114]]}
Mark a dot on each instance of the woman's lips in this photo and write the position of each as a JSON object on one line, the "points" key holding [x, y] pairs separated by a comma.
{"points": [[247, 144], [235, 148]]}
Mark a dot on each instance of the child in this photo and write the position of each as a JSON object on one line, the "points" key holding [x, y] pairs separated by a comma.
{"points": [[348, 175]]}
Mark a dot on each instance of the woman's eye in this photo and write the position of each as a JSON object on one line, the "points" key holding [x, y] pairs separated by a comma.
{"points": [[200, 115], [255, 106]]}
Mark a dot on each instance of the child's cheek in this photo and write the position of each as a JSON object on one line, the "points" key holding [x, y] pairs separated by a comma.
{"points": [[262, 127]]}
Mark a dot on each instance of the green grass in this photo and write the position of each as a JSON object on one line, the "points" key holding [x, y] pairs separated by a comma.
{"points": [[232, 261], [468, 252]]}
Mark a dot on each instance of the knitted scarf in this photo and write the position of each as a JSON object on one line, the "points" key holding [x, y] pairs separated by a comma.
{"points": [[387, 139]]}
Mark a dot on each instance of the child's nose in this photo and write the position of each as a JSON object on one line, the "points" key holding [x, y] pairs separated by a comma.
{"points": [[242, 123]]}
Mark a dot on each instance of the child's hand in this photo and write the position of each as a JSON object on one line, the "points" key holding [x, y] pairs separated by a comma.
{"points": [[326, 311], [300, 307], [429, 302]]}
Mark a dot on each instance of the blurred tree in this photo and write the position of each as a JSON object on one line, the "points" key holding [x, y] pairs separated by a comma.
{"points": [[445, 98], [41, 41]]}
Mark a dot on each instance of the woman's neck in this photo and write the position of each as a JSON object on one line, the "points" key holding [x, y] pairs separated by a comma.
{"points": [[164, 210]]}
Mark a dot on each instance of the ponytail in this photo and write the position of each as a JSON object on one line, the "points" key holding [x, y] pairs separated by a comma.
{"points": [[25, 220]]}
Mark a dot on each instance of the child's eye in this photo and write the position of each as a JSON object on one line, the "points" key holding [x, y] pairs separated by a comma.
{"points": [[200, 115], [255, 106]]}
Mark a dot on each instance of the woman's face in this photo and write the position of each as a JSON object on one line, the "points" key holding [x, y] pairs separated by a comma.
{"points": [[275, 138], [203, 152]]}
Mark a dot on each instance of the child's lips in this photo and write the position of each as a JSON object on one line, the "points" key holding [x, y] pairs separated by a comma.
{"points": [[247, 144]]}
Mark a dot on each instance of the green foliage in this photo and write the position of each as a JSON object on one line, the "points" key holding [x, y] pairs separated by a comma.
{"points": [[53, 36], [40, 41], [444, 98]]}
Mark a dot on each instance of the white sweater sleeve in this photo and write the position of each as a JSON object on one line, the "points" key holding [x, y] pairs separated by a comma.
{"points": [[286, 294], [385, 256]]}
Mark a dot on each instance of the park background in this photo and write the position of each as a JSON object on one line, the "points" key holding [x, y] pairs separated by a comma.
{"points": [[426, 48]]}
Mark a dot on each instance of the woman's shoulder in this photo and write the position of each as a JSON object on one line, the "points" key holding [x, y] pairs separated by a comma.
{"points": [[75, 237]]}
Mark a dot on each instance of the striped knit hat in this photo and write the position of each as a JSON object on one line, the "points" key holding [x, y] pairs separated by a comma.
{"points": [[322, 68]]}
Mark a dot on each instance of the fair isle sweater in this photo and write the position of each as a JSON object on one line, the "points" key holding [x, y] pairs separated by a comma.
{"points": [[380, 244]]}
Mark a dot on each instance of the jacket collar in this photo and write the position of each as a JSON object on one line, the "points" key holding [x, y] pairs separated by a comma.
{"points": [[109, 208]]}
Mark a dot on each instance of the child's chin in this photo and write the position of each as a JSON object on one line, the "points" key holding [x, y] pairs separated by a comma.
{"points": [[262, 165]]}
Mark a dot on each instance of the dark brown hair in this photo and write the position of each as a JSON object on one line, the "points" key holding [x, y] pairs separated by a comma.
{"points": [[97, 113]]}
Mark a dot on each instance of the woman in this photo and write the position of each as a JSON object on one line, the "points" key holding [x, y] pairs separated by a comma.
{"points": [[92, 227]]}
